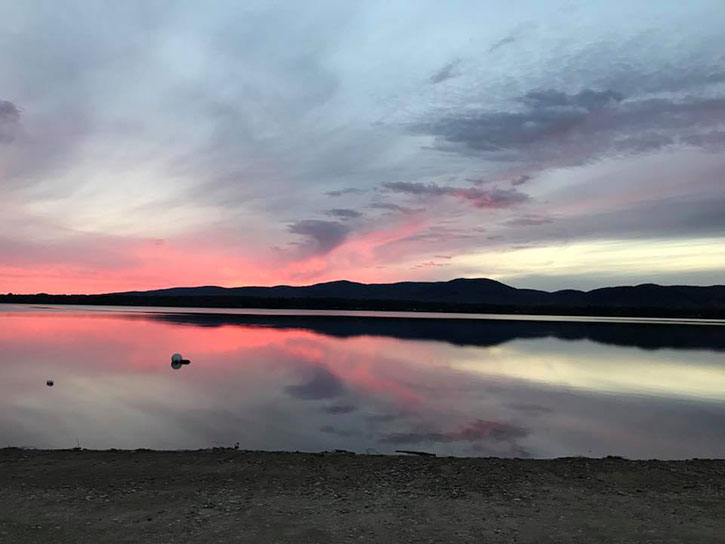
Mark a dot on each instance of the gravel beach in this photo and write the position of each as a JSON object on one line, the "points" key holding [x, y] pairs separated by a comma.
{"points": [[225, 495]]}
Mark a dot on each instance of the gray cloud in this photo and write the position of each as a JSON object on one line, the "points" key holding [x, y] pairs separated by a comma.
{"points": [[553, 128], [337, 409], [678, 216], [530, 408], [479, 198], [521, 180], [347, 191], [476, 431], [419, 189], [642, 143], [393, 207], [322, 385], [437, 234], [344, 213], [548, 115], [329, 429], [711, 141], [512, 37], [588, 99], [9, 121], [500, 43], [321, 236], [447, 72], [665, 217], [529, 220]]}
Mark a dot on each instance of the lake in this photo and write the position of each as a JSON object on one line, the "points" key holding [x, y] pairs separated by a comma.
{"points": [[370, 382]]}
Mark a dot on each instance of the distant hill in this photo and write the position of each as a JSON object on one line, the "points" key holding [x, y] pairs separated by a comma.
{"points": [[470, 291], [459, 295]]}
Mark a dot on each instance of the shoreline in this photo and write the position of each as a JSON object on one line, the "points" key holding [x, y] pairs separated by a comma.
{"points": [[215, 311], [227, 495], [372, 305], [395, 454]]}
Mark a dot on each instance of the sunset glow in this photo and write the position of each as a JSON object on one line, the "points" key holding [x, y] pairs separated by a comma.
{"points": [[173, 144]]}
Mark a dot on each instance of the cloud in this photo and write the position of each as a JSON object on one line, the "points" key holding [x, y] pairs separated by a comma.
{"points": [[528, 220], [447, 72], [547, 115], [530, 408], [588, 99], [429, 264], [476, 431], [393, 207], [346, 191], [479, 198], [710, 141], [322, 385], [329, 429], [336, 409], [9, 121], [515, 35], [321, 236], [434, 235], [500, 43], [187, 123], [703, 215], [550, 128], [419, 189], [344, 213], [641, 143], [521, 180]]}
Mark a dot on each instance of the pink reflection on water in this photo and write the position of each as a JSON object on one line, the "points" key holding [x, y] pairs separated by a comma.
{"points": [[105, 344], [292, 388], [105, 364]]}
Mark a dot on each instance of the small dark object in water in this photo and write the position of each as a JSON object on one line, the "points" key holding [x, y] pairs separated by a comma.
{"points": [[413, 452], [49, 383], [177, 360]]}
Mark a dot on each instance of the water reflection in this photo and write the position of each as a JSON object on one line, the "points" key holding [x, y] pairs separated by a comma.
{"points": [[469, 332], [450, 387]]}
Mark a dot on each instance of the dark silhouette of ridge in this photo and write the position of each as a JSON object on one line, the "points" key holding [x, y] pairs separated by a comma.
{"points": [[468, 332], [458, 295], [472, 291]]}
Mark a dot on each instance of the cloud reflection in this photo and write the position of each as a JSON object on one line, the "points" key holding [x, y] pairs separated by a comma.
{"points": [[297, 389]]}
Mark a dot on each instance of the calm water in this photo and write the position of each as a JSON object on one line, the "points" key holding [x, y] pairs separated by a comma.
{"points": [[279, 381]]}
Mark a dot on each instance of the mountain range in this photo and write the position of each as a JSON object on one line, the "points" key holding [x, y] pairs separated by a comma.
{"points": [[459, 295], [480, 292]]}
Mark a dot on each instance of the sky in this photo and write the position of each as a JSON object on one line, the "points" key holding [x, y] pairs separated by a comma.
{"points": [[545, 144]]}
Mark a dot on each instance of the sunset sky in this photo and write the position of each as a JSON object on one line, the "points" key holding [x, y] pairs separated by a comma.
{"points": [[544, 144]]}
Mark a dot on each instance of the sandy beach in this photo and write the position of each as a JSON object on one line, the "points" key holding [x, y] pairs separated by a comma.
{"points": [[226, 495]]}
